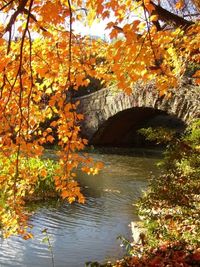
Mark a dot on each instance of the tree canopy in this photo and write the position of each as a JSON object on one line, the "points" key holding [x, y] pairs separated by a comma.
{"points": [[43, 61]]}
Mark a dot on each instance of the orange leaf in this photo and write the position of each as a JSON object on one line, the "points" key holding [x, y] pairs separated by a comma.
{"points": [[27, 236], [50, 138], [43, 173], [197, 74], [149, 6], [197, 81], [64, 194], [180, 4], [53, 123]]}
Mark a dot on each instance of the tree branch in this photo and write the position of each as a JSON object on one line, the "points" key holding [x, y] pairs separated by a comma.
{"points": [[170, 18], [16, 13], [25, 11], [7, 4], [13, 18]]}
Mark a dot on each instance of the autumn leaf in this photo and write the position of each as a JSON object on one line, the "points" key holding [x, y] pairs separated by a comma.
{"points": [[28, 236], [43, 172], [71, 199], [149, 6], [180, 4], [197, 74], [154, 18], [65, 194], [50, 138], [91, 17]]}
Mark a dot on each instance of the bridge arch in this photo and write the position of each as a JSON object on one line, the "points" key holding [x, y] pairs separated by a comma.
{"points": [[122, 128], [105, 109]]}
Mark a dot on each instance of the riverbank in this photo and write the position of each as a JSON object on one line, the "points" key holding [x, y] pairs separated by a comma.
{"points": [[176, 254]]}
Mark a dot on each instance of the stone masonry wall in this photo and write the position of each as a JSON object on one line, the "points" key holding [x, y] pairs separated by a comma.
{"points": [[98, 107]]}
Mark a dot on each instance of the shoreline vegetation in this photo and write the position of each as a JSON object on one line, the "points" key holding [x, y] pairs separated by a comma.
{"points": [[169, 231], [47, 166]]}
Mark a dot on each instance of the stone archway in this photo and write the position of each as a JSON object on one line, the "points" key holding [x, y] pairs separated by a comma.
{"points": [[101, 107], [121, 129]]}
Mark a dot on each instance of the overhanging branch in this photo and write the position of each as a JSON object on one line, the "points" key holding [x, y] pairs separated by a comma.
{"points": [[170, 18]]}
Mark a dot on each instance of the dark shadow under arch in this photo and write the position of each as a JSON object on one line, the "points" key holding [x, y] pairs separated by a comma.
{"points": [[121, 129]]}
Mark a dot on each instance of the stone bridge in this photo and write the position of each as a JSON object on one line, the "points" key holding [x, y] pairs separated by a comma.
{"points": [[112, 117]]}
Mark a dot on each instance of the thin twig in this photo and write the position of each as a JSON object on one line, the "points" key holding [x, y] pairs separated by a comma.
{"points": [[31, 77], [150, 39], [20, 99], [70, 42]]}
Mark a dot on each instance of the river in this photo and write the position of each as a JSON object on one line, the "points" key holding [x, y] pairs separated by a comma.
{"points": [[81, 233]]}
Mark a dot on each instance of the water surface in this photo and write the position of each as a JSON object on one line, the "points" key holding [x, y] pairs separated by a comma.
{"points": [[80, 233]]}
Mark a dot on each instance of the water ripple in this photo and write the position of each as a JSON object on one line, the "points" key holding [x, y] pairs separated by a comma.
{"points": [[79, 233]]}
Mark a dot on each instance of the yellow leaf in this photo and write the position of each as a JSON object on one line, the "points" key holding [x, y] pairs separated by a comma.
{"points": [[48, 91], [91, 17], [71, 199], [154, 18]]}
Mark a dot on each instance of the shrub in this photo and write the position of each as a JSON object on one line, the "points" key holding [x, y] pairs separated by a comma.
{"points": [[171, 205]]}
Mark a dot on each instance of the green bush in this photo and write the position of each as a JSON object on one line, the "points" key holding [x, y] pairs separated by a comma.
{"points": [[171, 206], [44, 185], [40, 177]]}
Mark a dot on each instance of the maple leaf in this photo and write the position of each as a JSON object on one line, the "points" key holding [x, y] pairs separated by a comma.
{"points": [[149, 6], [180, 4], [50, 138]]}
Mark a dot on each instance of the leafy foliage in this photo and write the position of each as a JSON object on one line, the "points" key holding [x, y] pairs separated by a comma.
{"points": [[171, 206], [43, 60], [174, 254], [37, 182]]}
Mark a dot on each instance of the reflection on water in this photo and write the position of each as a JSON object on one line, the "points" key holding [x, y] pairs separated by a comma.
{"points": [[88, 232]]}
